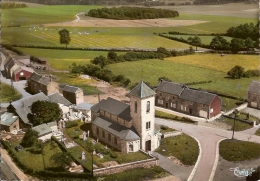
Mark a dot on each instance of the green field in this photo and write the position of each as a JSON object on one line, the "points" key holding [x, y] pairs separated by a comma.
{"points": [[41, 14], [8, 94], [184, 73], [204, 39]]}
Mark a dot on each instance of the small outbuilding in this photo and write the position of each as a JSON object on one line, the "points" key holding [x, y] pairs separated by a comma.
{"points": [[9, 122], [253, 95], [44, 131]]}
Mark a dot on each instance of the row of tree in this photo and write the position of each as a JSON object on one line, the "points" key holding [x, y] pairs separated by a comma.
{"points": [[220, 43], [244, 31], [132, 13], [216, 2], [13, 5]]}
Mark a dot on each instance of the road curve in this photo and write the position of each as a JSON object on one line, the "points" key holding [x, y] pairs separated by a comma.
{"points": [[208, 138]]}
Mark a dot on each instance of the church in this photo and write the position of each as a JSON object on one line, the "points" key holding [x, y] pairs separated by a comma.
{"points": [[127, 128]]}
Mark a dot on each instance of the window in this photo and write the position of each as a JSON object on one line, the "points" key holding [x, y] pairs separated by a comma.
{"points": [[183, 108], [115, 140], [97, 131], [203, 105], [190, 102], [160, 101], [109, 137], [211, 110], [135, 107], [148, 106], [103, 134], [148, 125], [173, 105]]}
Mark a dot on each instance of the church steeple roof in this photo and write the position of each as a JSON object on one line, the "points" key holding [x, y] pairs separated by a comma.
{"points": [[142, 91]]}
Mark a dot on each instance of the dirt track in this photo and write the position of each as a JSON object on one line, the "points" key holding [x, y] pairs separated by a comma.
{"points": [[98, 22]]}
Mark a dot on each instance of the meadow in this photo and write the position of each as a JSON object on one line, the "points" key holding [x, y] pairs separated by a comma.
{"points": [[151, 70]]}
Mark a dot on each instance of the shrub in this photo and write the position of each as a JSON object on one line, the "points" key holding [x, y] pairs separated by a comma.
{"points": [[35, 150], [71, 124], [113, 154]]}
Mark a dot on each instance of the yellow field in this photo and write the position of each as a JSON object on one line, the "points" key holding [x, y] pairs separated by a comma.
{"points": [[217, 62]]}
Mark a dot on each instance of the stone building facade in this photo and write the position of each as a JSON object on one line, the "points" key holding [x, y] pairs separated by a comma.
{"points": [[253, 95], [73, 94], [127, 128], [9, 122], [180, 98], [38, 83]]}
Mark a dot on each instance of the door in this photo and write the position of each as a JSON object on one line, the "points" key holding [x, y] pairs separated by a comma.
{"points": [[148, 145], [254, 104], [203, 114], [166, 104], [190, 111]]}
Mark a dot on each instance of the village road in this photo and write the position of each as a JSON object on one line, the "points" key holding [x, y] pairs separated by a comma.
{"points": [[19, 86], [208, 138]]}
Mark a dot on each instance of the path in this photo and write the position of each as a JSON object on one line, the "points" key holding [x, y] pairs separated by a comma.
{"points": [[208, 138], [178, 171], [14, 168]]}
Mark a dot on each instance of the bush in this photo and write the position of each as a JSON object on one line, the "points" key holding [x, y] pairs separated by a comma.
{"points": [[71, 124], [113, 154], [35, 150]]}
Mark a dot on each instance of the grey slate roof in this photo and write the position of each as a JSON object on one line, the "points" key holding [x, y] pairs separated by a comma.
{"points": [[51, 124], [114, 107], [142, 91], [114, 128], [254, 87], [170, 87], [83, 106], [42, 129], [9, 63], [57, 98], [39, 78], [186, 93], [69, 88], [8, 119], [22, 106], [197, 96]]}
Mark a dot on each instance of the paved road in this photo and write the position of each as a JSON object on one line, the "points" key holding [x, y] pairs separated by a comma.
{"points": [[208, 138], [19, 86]]}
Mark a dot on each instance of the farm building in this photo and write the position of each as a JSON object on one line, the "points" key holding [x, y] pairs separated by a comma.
{"points": [[127, 128], [253, 95], [22, 73], [9, 122], [38, 83], [73, 94], [180, 98], [22, 108], [25, 60]]}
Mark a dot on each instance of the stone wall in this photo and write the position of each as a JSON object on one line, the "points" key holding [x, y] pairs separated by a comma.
{"points": [[127, 166], [171, 134]]}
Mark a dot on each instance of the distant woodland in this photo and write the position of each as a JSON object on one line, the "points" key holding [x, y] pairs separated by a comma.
{"points": [[132, 13]]}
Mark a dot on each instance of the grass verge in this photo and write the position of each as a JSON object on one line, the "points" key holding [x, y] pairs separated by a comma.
{"points": [[257, 132], [161, 114], [239, 126], [235, 150], [183, 147], [7, 94]]}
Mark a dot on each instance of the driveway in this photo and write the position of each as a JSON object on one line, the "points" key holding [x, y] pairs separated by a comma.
{"points": [[208, 138]]}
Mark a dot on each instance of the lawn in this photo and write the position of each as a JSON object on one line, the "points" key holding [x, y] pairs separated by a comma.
{"points": [[239, 126], [37, 164], [7, 93], [235, 150], [183, 147], [164, 115]]}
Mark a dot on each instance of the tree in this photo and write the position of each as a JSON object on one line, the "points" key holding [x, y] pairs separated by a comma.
{"points": [[249, 43], [196, 41], [44, 112], [111, 55], [64, 37], [61, 159], [236, 72], [219, 43], [237, 44], [30, 138]]}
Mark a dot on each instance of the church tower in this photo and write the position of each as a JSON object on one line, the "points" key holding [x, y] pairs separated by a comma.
{"points": [[142, 110]]}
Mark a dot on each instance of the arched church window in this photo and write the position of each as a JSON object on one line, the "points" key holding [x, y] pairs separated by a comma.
{"points": [[148, 106], [135, 107]]}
